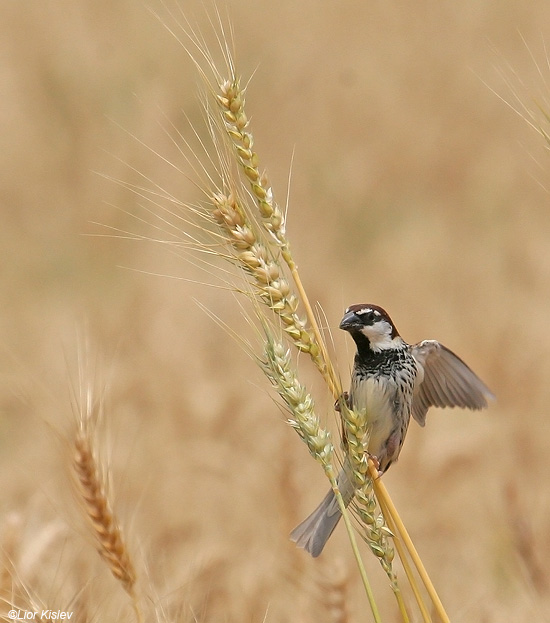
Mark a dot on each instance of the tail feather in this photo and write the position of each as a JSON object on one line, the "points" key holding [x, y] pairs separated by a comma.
{"points": [[314, 532]]}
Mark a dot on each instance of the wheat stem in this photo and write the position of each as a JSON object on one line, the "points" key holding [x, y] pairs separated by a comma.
{"points": [[235, 121], [327, 369], [402, 531], [329, 471], [406, 566]]}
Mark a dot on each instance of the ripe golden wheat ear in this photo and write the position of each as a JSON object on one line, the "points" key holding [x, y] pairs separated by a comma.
{"points": [[104, 524], [92, 491], [106, 528]]}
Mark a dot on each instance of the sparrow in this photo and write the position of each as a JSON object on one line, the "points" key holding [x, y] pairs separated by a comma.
{"points": [[390, 381]]}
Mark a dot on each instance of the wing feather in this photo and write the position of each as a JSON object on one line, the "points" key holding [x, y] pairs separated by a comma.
{"points": [[447, 382]]}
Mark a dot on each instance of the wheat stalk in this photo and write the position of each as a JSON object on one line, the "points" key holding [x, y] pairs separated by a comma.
{"points": [[244, 240], [261, 263], [231, 99]]}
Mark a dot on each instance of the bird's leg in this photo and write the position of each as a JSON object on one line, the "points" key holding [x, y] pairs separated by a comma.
{"points": [[389, 453], [343, 399]]}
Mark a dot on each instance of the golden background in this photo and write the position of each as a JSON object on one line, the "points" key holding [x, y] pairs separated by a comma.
{"points": [[413, 186]]}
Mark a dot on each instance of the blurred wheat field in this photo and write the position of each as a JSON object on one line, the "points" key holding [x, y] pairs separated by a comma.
{"points": [[413, 185]]}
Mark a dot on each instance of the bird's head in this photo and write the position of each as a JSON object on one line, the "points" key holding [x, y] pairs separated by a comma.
{"points": [[370, 322]]}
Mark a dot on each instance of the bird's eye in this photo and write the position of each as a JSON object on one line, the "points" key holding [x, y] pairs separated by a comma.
{"points": [[367, 315]]}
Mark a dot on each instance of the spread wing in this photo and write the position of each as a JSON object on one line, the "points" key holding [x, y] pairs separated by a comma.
{"points": [[448, 381]]}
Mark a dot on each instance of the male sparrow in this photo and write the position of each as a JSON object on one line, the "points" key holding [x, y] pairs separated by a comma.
{"points": [[391, 380]]}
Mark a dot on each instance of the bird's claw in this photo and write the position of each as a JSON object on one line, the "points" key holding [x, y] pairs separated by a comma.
{"points": [[344, 398], [376, 463]]}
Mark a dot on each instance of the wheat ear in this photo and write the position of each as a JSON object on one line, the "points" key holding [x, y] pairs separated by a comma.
{"points": [[278, 367], [264, 269], [111, 546]]}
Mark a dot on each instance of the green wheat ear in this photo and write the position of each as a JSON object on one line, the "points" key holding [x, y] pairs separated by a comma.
{"points": [[279, 369]]}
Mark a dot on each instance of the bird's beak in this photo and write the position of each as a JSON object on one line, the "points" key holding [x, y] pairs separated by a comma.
{"points": [[349, 321]]}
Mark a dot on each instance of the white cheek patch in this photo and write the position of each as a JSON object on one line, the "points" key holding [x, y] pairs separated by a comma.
{"points": [[379, 335], [377, 331]]}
